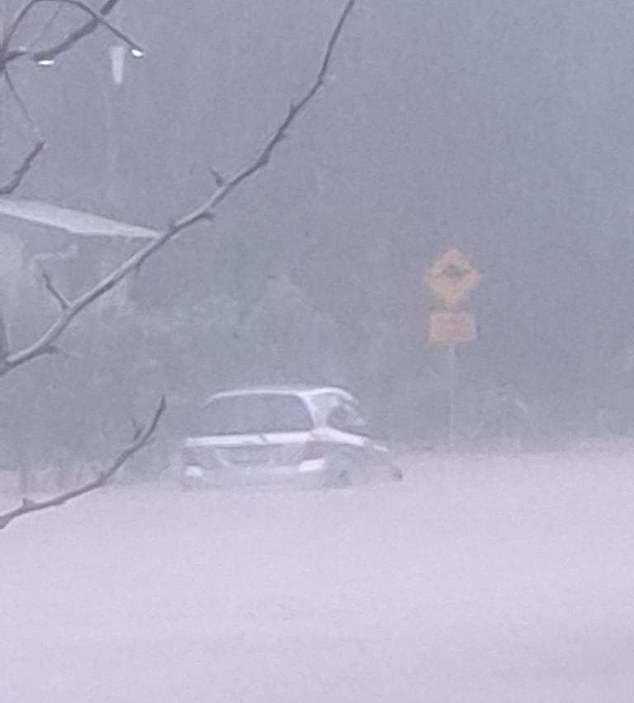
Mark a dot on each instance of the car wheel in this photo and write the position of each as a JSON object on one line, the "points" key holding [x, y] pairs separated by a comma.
{"points": [[345, 473], [189, 484]]}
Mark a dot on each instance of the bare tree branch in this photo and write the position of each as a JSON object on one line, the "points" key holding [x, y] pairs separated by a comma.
{"points": [[7, 55], [141, 440], [29, 159], [77, 35], [202, 213], [25, 166], [293, 112], [70, 309]]}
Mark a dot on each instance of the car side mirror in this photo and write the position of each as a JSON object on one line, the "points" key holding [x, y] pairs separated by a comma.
{"points": [[338, 418]]}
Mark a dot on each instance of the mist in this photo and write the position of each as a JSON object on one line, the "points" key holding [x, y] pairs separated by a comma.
{"points": [[421, 214]]}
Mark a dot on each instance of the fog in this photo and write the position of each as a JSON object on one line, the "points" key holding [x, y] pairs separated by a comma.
{"points": [[499, 132]]}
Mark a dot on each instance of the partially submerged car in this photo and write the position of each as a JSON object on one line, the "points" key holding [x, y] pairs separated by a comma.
{"points": [[308, 437]]}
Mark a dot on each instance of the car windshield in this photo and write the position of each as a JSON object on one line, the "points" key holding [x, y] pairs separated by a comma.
{"points": [[256, 414]]}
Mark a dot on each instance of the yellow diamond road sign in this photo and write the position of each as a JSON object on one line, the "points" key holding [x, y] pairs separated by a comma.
{"points": [[452, 278]]}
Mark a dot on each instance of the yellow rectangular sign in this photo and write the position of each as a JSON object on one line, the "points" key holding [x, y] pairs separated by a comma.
{"points": [[452, 327]]}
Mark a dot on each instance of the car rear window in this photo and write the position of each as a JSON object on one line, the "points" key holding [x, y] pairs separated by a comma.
{"points": [[256, 414]]}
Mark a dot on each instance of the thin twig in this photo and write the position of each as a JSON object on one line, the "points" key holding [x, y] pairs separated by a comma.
{"points": [[26, 114], [25, 166], [202, 213], [219, 179], [139, 442], [53, 290]]}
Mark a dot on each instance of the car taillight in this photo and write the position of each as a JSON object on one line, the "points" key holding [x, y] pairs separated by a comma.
{"points": [[313, 451]]}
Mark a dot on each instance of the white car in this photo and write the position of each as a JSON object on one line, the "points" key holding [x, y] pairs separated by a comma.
{"points": [[306, 437]]}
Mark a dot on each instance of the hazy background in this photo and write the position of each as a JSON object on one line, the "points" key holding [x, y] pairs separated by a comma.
{"points": [[503, 128], [500, 127]]}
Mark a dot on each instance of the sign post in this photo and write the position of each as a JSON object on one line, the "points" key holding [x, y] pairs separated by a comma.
{"points": [[453, 383], [452, 279]]}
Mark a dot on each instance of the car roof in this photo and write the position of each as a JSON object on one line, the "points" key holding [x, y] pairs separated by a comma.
{"points": [[300, 391]]}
